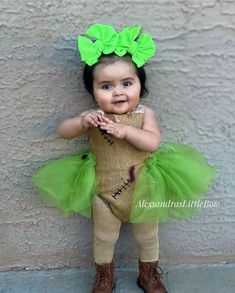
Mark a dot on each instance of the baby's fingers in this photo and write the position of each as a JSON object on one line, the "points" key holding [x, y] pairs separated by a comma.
{"points": [[100, 123], [95, 117], [107, 120], [92, 120], [100, 112]]}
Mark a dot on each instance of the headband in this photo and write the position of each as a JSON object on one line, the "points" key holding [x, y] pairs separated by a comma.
{"points": [[108, 41]]}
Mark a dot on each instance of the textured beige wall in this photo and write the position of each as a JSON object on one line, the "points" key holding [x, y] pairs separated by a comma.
{"points": [[191, 82]]}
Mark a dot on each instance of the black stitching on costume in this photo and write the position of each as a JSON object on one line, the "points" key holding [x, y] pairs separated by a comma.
{"points": [[105, 135], [126, 183], [132, 173]]}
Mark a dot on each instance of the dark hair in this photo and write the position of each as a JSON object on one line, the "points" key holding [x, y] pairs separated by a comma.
{"points": [[109, 59]]}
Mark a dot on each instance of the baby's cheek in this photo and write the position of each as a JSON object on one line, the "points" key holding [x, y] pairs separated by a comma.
{"points": [[103, 103]]}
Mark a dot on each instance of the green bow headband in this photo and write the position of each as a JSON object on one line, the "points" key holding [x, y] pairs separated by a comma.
{"points": [[107, 41]]}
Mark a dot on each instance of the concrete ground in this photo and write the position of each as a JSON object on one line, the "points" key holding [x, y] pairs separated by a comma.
{"points": [[178, 279]]}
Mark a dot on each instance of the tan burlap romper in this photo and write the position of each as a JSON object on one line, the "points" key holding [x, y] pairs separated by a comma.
{"points": [[117, 167]]}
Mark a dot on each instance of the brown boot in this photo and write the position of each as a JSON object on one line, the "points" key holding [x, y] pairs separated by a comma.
{"points": [[149, 277], [104, 280]]}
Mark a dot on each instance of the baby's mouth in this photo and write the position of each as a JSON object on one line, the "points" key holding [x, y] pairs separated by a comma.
{"points": [[119, 102]]}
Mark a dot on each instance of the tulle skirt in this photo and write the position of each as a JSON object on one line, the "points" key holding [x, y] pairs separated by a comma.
{"points": [[168, 186], [68, 183], [171, 184]]}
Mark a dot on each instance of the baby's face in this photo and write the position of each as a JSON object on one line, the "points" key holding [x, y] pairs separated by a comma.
{"points": [[116, 87]]}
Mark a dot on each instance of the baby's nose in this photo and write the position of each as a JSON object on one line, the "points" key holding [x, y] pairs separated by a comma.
{"points": [[118, 90]]}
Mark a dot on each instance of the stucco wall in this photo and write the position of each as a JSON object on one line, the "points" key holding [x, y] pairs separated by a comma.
{"points": [[191, 84]]}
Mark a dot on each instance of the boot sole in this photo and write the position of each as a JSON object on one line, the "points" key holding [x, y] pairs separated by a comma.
{"points": [[141, 287], [112, 287]]}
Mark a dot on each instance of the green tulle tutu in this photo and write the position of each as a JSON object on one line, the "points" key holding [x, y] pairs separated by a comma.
{"points": [[172, 181], [68, 183], [174, 176]]}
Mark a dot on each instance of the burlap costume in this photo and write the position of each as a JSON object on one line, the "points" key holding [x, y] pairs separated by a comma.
{"points": [[117, 164]]}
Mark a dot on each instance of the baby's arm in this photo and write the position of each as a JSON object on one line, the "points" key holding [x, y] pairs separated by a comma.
{"points": [[147, 138], [73, 127]]}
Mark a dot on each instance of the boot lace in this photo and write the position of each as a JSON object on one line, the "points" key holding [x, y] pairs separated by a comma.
{"points": [[155, 273], [101, 276]]}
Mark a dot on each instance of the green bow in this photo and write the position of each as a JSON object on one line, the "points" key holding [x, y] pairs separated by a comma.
{"points": [[141, 50], [107, 41]]}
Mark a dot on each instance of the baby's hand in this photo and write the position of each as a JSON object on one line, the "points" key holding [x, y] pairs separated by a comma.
{"points": [[91, 118], [114, 127]]}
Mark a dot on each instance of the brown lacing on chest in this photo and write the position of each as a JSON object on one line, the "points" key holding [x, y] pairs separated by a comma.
{"points": [[126, 182], [106, 135]]}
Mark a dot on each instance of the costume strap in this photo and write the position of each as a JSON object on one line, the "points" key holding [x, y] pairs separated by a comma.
{"points": [[106, 41]]}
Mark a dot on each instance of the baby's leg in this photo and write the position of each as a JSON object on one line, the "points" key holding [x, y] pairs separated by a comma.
{"points": [[106, 231], [146, 235]]}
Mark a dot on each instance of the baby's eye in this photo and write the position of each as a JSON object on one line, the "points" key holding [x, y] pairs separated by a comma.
{"points": [[127, 83], [106, 86]]}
